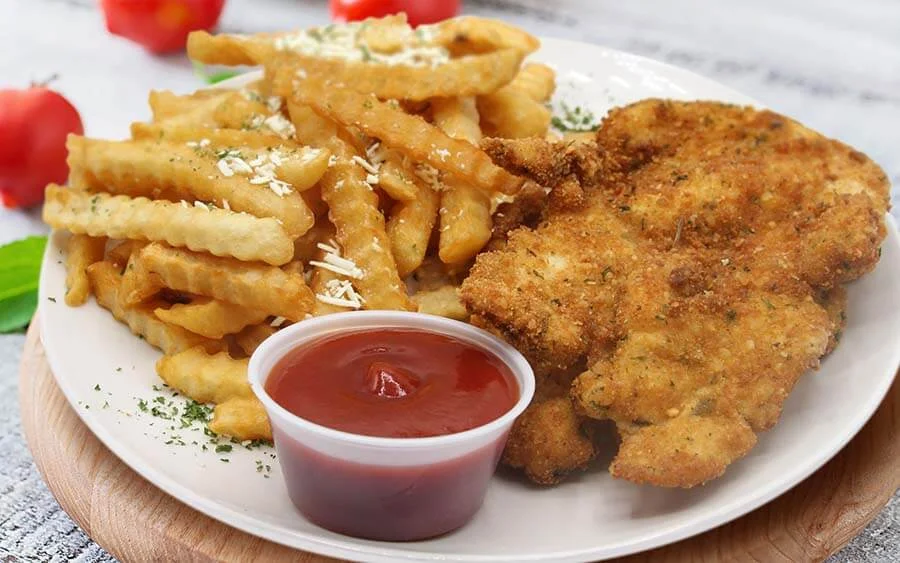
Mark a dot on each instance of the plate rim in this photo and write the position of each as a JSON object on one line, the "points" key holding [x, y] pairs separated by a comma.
{"points": [[324, 546]]}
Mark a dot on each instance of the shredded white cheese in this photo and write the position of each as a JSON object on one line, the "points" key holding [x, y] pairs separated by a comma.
{"points": [[430, 175], [280, 126], [346, 41], [201, 144], [277, 322], [341, 293], [262, 168], [334, 262]]}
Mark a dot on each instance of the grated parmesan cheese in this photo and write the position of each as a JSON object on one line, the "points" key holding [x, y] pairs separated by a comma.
{"points": [[345, 41], [277, 322], [334, 262], [341, 293]]}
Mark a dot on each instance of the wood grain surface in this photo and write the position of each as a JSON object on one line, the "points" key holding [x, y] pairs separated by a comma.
{"points": [[135, 521]]}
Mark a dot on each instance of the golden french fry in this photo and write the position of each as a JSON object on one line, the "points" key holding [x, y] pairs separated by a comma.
{"points": [[321, 281], [299, 166], [386, 35], [511, 113], [204, 377], [362, 236], [82, 251], [305, 248], [412, 135], [241, 418], [251, 337], [219, 232], [121, 253], [537, 80], [469, 34], [210, 318], [353, 208], [197, 108], [465, 76], [252, 285], [176, 171], [230, 50], [396, 179], [409, 228], [443, 301], [105, 280], [466, 223], [465, 211]]}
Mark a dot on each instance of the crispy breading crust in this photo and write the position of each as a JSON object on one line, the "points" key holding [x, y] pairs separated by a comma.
{"points": [[699, 274]]}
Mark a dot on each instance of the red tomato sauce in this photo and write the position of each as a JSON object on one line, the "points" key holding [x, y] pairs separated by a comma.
{"points": [[396, 383], [386, 503]]}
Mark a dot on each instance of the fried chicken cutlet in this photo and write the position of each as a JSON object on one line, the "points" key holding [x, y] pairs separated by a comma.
{"points": [[697, 270]]}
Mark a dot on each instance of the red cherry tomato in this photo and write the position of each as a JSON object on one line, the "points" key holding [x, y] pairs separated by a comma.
{"points": [[161, 26], [34, 124], [418, 11]]}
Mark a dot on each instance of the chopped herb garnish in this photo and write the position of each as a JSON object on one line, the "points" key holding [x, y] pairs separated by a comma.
{"points": [[575, 119], [97, 387], [223, 448]]}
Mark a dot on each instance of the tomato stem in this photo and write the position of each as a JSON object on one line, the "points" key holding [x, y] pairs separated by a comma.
{"points": [[45, 82]]}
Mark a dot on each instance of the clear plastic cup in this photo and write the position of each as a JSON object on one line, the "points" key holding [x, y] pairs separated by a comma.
{"points": [[394, 489]]}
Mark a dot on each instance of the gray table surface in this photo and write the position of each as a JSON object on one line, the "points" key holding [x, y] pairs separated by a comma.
{"points": [[833, 64]]}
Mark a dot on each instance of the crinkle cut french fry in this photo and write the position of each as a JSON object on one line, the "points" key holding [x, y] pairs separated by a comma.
{"points": [[230, 50], [138, 284], [251, 337], [305, 248], [412, 135], [465, 216], [318, 284], [210, 317], [105, 280], [121, 252], [251, 285], [196, 108], [465, 76], [511, 113], [396, 179], [219, 232], [353, 209], [242, 419], [410, 226], [300, 166], [82, 251], [361, 233], [175, 171], [469, 34], [537, 80], [204, 377], [465, 212]]}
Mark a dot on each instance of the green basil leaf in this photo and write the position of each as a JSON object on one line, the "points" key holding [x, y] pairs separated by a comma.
{"points": [[20, 268], [215, 77]]}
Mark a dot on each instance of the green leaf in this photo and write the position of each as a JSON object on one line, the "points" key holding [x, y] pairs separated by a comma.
{"points": [[215, 77], [20, 268]]}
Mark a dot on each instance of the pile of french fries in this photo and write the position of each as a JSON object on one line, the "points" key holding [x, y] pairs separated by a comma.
{"points": [[349, 177]]}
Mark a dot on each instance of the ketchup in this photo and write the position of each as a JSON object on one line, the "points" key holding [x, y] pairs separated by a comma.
{"points": [[395, 383]]}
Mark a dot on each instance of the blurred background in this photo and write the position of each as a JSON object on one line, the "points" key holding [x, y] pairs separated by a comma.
{"points": [[832, 64]]}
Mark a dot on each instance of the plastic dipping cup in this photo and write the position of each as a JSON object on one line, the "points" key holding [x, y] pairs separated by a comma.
{"points": [[395, 489]]}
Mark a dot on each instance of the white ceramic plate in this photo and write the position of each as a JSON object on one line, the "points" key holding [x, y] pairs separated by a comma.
{"points": [[590, 516]]}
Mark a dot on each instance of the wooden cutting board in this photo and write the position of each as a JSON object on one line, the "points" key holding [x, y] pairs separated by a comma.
{"points": [[135, 521]]}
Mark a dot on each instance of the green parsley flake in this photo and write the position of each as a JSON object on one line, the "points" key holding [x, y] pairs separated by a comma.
{"points": [[575, 119]]}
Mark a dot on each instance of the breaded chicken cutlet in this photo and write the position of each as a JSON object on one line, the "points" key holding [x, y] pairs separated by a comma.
{"points": [[693, 259]]}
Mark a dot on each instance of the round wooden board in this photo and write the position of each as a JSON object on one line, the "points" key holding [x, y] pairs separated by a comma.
{"points": [[135, 521]]}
